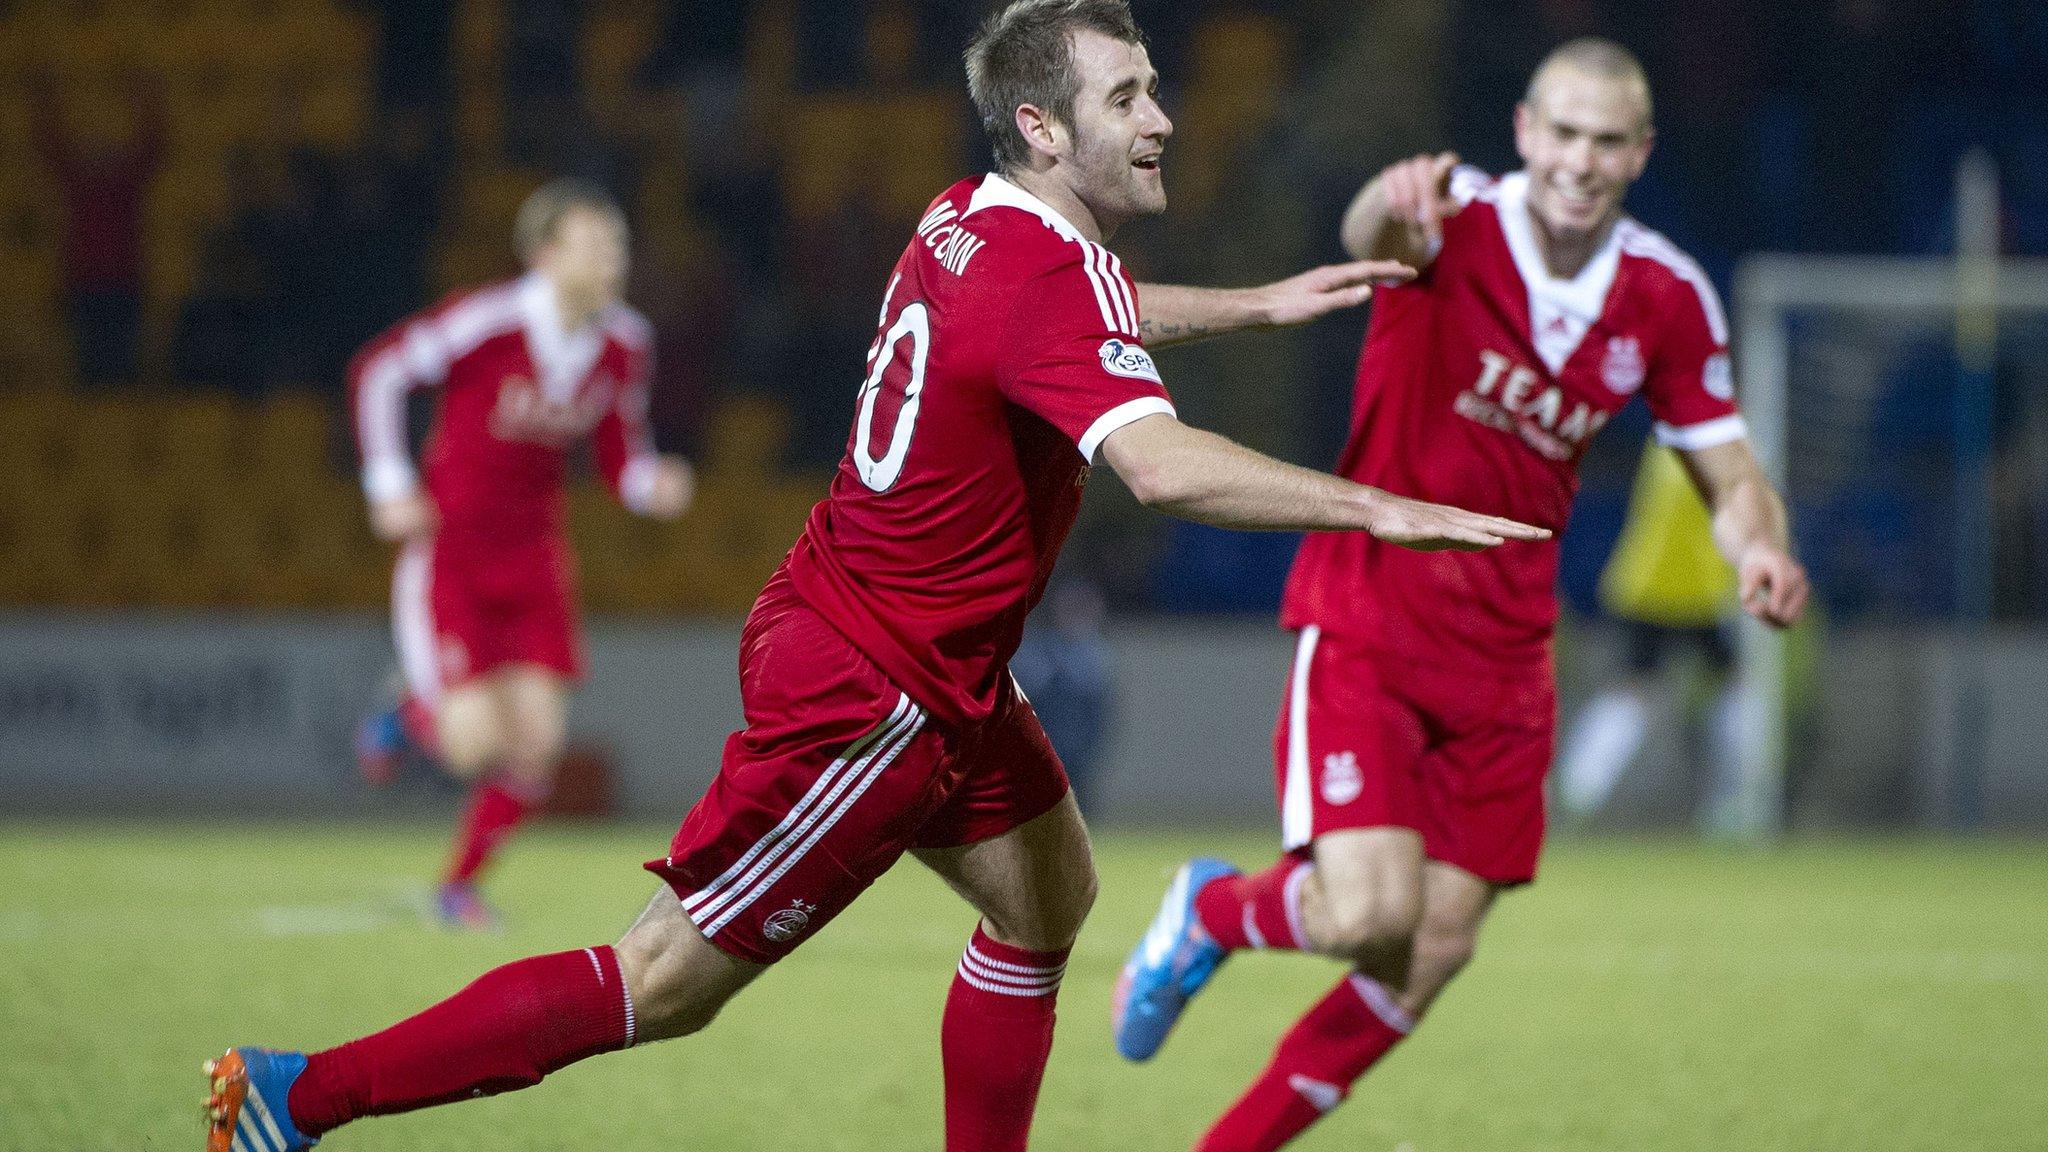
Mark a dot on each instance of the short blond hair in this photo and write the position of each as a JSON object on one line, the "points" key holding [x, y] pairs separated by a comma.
{"points": [[541, 215], [1594, 56]]}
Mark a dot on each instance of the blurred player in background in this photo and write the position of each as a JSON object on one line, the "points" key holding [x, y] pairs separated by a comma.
{"points": [[880, 714], [1417, 725], [483, 601], [1671, 592]]}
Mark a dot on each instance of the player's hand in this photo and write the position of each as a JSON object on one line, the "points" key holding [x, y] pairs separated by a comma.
{"points": [[1426, 527], [404, 518], [674, 486], [1418, 193], [1773, 586], [1320, 291]]}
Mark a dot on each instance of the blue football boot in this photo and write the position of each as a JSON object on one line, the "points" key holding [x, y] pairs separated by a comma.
{"points": [[245, 1102], [1172, 963], [381, 745]]}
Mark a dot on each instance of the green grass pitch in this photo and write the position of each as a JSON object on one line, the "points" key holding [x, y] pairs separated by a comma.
{"points": [[1643, 995]]}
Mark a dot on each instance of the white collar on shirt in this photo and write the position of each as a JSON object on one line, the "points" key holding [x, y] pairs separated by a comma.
{"points": [[1560, 311], [995, 190], [561, 357]]}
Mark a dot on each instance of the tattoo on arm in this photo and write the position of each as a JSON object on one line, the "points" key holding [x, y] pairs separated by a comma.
{"points": [[1156, 333]]}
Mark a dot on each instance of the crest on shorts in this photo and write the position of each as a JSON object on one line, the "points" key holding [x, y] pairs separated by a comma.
{"points": [[1623, 369], [1342, 781], [785, 925]]}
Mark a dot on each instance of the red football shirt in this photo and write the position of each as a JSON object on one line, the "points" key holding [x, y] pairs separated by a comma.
{"points": [[518, 391], [1480, 384], [1007, 351]]}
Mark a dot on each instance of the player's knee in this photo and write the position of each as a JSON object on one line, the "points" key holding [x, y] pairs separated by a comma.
{"points": [[1075, 908], [1050, 922], [1443, 950], [1371, 923], [469, 736], [532, 751], [468, 749]]}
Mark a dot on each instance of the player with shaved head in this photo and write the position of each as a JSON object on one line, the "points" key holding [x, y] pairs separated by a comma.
{"points": [[1417, 725]]}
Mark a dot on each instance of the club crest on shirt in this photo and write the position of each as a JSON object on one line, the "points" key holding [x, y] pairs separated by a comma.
{"points": [[1121, 359], [1623, 369], [1718, 378]]}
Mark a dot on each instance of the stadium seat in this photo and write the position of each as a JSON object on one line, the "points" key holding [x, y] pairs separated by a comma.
{"points": [[920, 134], [334, 113], [29, 421], [488, 199], [95, 449], [614, 45], [200, 440], [289, 439], [747, 437], [826, 151]]}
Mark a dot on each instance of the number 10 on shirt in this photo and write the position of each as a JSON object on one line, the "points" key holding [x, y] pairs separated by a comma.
{"points": [[902, 380]]}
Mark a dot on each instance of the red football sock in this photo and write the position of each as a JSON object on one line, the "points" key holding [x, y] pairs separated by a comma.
{"points": [[994, 1041], [510, 1027], [1313, 1068], [496, 806], [417, 718], [1261, 910]]}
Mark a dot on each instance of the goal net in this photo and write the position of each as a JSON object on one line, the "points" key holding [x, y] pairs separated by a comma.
{"points": [[1909, 433]]}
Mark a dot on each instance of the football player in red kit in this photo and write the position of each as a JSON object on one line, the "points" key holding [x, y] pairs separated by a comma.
{"points": [[881, 717], [483, 602], [1417, 724]]}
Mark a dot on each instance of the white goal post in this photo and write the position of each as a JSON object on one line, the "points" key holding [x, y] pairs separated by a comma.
{"points": [[1769, 291]]}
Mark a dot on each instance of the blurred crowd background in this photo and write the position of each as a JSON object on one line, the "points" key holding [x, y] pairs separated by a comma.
{"points": [[207, 205]]}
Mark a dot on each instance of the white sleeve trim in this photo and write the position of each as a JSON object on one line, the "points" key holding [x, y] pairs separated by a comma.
{"points": [[389, 478], [1128, 412], [636, 482], [1706, 434]]}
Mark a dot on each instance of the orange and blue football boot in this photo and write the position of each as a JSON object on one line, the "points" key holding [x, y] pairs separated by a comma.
{"points": [[245, 1102]]}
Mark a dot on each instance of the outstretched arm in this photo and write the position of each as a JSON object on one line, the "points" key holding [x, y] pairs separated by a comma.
{"points": [[1750, 529], [1201, 476], [1176, 314], [1399, 214]]}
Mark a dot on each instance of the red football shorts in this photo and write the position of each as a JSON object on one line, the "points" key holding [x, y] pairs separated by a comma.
{"points": [[459, 611], [836, 774], [1367, 740]]}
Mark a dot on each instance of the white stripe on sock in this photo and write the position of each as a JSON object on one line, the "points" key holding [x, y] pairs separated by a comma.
{"points": [[1290, 897], [1020, 969], [1381, 1002]]}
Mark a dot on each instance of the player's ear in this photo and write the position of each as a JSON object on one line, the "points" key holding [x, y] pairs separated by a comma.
{"points": [[1044, 134], [1525, 124], [1643, 147]]}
